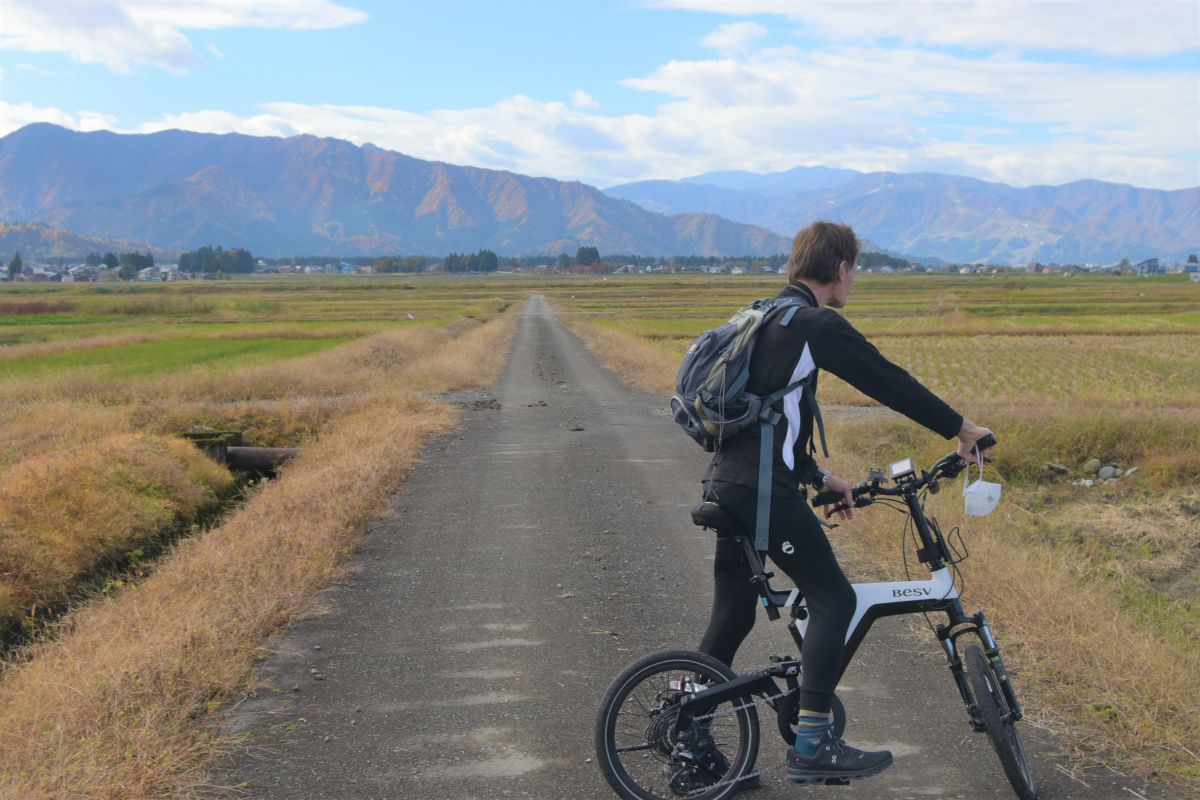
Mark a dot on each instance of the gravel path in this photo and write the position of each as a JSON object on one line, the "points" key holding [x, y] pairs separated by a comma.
{"points": [[529, 558]]}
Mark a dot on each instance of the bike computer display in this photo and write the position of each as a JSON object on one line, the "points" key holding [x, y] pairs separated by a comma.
{"points": [[901, 469]]}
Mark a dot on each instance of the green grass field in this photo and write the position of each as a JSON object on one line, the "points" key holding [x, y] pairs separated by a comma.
{"points": [[166, 355]]}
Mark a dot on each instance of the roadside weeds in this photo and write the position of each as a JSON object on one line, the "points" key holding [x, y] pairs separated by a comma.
{"points": [[118, 704]]}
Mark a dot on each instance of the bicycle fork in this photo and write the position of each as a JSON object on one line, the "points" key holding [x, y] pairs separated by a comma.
{"points": [[948, 634]]}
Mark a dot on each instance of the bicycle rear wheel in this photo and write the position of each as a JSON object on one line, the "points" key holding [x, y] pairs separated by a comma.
{"points": [[997, 719], [645, 755]]}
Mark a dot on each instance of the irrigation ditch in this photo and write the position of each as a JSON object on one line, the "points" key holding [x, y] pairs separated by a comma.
{"points": [[250, 466]]}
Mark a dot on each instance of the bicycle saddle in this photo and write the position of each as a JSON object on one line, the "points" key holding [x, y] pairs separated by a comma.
{"points": [[711, 515]]}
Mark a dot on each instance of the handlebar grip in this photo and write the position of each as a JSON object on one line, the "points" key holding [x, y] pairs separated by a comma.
{"points": [[986, 442], [826, 498]]}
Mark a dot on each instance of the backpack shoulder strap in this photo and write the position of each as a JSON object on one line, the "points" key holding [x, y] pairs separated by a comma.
{"points": [[766, 462], [769, 418]]}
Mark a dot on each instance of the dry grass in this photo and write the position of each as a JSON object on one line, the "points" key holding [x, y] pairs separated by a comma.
{"points": [[30, 427], [639, 361], [15, 307], [61, 514], [116, 706], [79, 491]]}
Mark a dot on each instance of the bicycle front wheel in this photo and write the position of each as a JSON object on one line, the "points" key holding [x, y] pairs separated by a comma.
{"points": [[997, 719], [643, 751]]}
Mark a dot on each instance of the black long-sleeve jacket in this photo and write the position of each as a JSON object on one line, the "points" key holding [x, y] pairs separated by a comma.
{"points": [[834, 345]]}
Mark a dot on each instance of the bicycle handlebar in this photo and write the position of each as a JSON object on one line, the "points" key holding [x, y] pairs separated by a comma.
{"points": [[949, 466]]}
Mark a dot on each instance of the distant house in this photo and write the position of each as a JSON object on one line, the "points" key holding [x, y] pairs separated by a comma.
{"points": [[82, 274], [149, 274], [1150, 267]]}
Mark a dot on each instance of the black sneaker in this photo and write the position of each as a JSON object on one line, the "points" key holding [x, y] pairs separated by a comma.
{"points": [[836, 763]]}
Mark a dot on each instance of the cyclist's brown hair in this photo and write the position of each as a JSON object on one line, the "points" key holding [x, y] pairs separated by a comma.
{"points": [[818, 250]]}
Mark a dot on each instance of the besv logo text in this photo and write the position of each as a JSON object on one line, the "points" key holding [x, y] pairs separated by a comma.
{"points": [[911, 592]]}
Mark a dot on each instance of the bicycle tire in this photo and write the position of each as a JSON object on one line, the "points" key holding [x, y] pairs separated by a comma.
{"points": [[634, 739], [1001, 729]]}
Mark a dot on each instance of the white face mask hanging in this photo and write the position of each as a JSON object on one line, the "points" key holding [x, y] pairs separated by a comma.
{"points": [[981, 497]]}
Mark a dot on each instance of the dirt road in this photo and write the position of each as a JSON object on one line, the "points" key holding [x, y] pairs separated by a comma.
{"points": [[529, 558]]}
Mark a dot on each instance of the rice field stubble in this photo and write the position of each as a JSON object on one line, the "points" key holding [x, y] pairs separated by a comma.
{"points": [[1093, 590]]}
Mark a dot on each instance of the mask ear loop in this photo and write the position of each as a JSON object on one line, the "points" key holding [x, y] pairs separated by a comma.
{"points": [[967, 473]]}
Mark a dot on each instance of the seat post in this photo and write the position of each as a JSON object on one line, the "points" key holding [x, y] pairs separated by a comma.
{"points": [[710, 515], [759, 576]]}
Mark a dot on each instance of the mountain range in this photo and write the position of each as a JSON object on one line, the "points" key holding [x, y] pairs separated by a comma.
{"points": [[304, 195], [180, 190], [949, 217]]}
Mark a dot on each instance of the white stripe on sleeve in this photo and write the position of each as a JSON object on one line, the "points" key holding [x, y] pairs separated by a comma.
{"points": [[791, 406]]}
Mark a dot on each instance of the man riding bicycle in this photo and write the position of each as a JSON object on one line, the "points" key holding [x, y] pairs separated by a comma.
{"points": [[820, 276]]}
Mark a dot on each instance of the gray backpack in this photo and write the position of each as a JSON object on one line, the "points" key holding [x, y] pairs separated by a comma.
{"points": [[711, 402]]}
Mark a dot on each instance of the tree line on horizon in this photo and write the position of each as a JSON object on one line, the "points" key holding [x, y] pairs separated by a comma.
{"points": [[235, 260]]}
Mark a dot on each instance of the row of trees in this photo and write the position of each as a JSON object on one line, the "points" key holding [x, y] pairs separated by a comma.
{"points": [[218, 259], [483, 261]]}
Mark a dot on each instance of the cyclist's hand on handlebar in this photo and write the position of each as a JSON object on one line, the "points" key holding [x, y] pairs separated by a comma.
{"points": [[968, 435], [844, 509]]}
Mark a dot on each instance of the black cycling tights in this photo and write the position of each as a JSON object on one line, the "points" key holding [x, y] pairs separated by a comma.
{"points": [[799, 546]]}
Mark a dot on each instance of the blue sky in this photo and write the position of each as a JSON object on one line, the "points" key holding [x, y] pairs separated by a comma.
{"points": [[607, 92]]}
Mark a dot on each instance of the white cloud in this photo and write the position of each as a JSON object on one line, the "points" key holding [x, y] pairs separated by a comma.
{"points": [[734, 37], [1115, 27], [581, 99], [888, 110], [123, 34], [212, 121], [216, 51], [18, 115], [214, 14]]}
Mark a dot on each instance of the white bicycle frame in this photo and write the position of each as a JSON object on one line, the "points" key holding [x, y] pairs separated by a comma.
{"points": [[886, 599]]}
